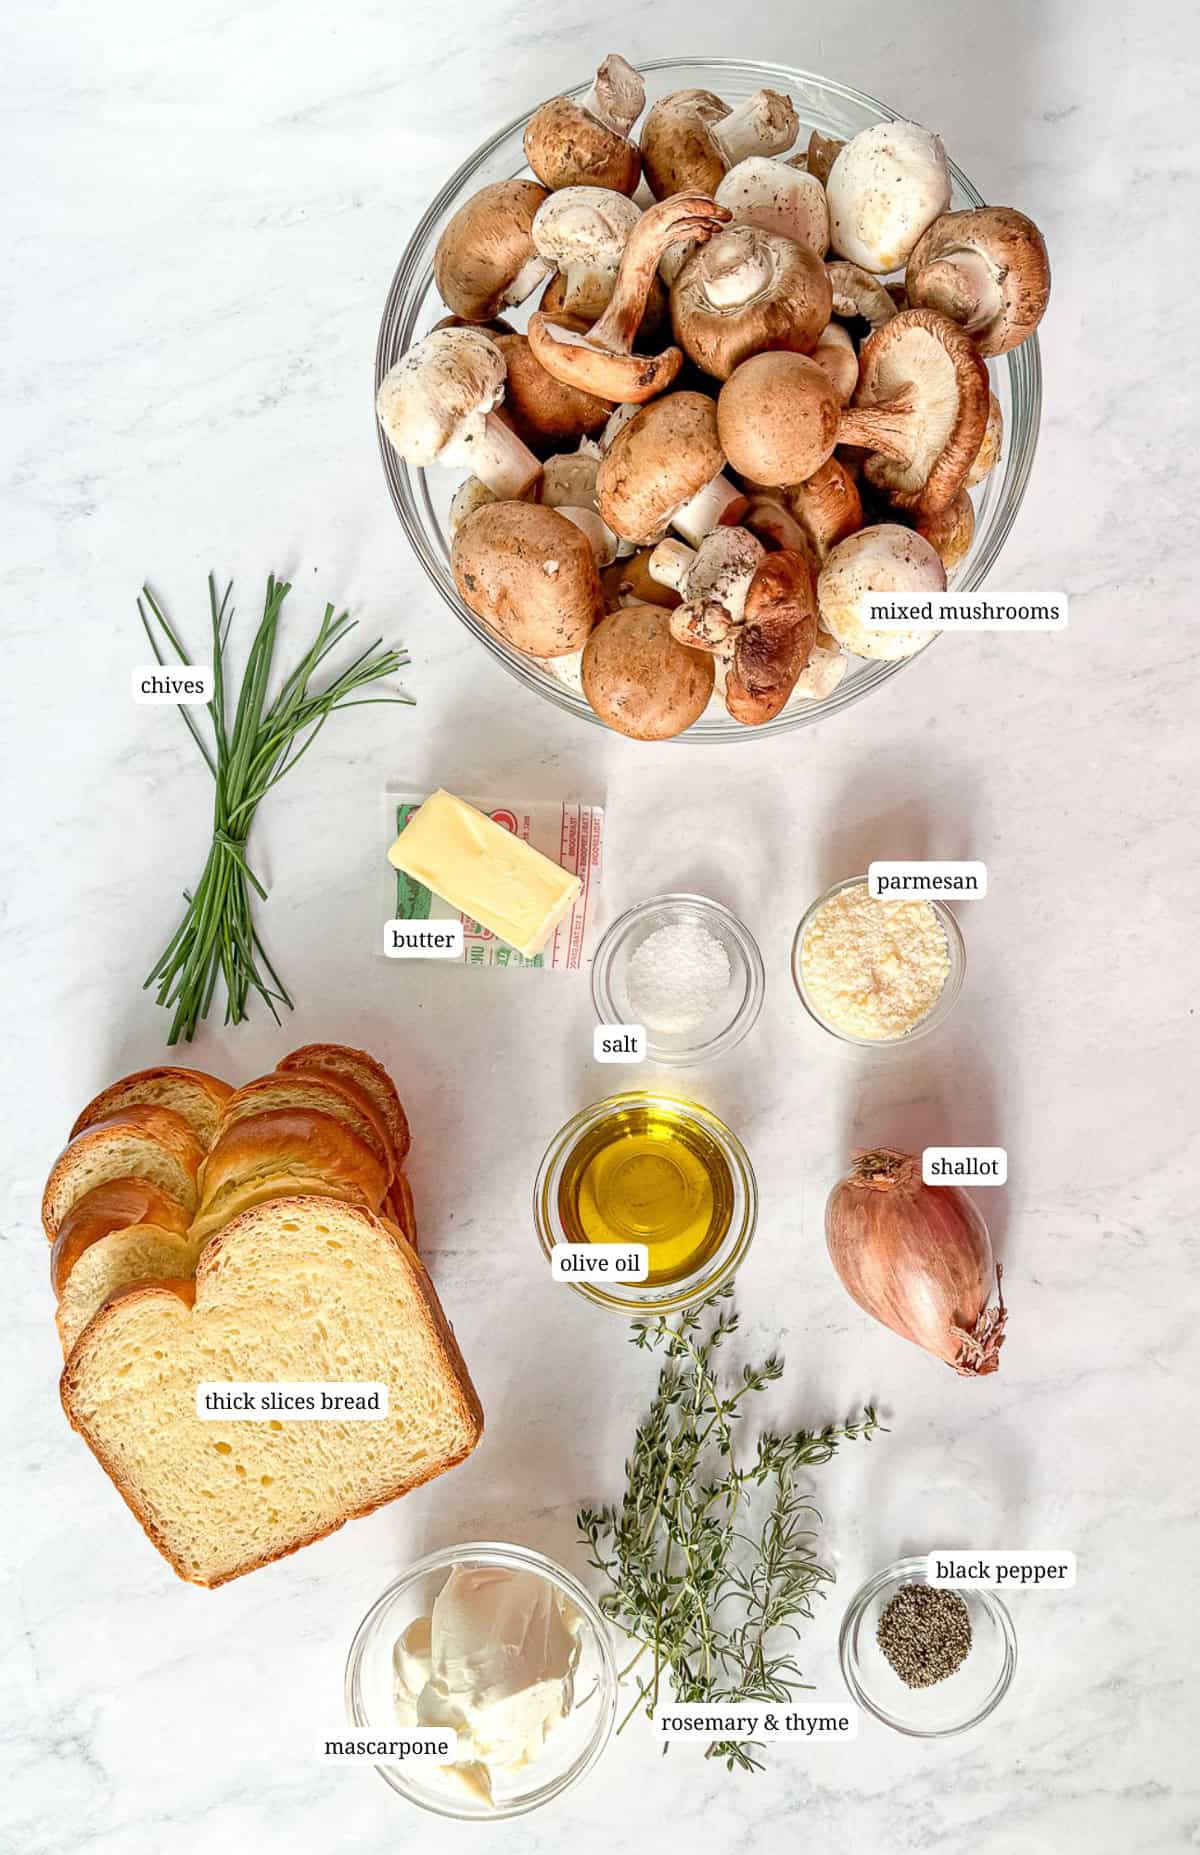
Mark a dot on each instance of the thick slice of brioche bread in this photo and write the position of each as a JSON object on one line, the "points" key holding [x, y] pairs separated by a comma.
{"points": [[139, 1253], [302, 1183], [369, 1075], [111, 1207], [155, 1145], [198, 1097], [399, 1206], [304, 1290], [304, 1145], [327, 1093]]}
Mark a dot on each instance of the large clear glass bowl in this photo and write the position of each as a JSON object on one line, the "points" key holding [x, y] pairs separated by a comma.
{"points": [[422, 497]]}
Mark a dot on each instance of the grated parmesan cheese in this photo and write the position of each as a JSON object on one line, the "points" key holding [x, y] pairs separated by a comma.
{"points": [[873, 969]]}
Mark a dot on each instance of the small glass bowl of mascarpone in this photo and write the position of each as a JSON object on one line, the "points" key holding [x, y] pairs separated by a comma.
{"points": [[510, 1650]]}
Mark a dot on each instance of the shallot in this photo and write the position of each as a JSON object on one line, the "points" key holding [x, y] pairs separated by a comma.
{"points": [[918, 1258]]}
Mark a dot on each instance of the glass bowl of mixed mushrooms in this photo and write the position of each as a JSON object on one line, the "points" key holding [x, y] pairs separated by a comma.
{"points": [[684, 363]]}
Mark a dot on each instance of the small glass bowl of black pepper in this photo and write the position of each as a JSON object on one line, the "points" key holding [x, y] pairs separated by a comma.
{"points": [[925, 1631]]}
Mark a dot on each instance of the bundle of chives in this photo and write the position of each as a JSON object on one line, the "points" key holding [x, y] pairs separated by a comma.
{"points": [[250, 752]]}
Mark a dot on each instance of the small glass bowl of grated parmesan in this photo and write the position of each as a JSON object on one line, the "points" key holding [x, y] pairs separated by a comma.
{"points": [[876, 972], [684, 968]]}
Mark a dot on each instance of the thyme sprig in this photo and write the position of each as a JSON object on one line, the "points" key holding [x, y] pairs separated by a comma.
{"points": [[711, 1565], [255, 741]]}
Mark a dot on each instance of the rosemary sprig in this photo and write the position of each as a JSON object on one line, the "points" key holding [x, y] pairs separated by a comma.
{"points": [[711, 1566], [255, 742]]}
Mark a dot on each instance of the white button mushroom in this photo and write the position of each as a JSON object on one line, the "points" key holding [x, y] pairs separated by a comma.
{"points": [[438, 405], [882, 559], [777, 197], [885, 188], [583, 232]]}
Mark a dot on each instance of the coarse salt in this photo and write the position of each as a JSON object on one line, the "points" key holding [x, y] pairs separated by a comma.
{"points": [[678, 976]]}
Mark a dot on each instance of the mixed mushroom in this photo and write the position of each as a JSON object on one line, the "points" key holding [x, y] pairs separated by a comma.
{"points": [[753, 390]]}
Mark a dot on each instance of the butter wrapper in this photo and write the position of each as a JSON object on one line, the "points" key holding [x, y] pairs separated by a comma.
{"points": [[569, 832]]}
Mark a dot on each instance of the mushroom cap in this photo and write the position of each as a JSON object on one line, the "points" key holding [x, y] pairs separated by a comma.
{"points": [[777, 418], [453, 375], [658, 461], [950, 530], [858, 295], [1013, 254], [678, 153], [882, 559], [629, 581], [988, 454], [640, 679], [775, 639], [581, 363], [530, 574], [764, 191], [827, 506], [545, 413], [745, 291], [887, 185], [584, 225], [569, 478], [486, 247], [926, 356], [822, 152], [836, 353], [566, 146]]}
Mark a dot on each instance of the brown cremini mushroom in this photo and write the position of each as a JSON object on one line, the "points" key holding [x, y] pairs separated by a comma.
{"points": [[887, 185], [882, 559], [823, 151], [544, 413], [641, 680], [586, 144], [531, 575], [950, 530], [486, 259], [745, 292], [663, 468], [827, 506], [921, 408], [777, 197], [777, 418], [836, 353], [987, 270], [774, 641], [692, 138], [600, 361], [988, 455], [439, 404], [630, 582]]}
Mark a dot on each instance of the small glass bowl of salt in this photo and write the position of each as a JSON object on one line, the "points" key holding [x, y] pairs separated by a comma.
{"points": [[684, 968]]}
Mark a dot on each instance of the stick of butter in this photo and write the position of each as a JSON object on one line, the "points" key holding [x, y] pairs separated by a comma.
{"points": [[485, 872]]}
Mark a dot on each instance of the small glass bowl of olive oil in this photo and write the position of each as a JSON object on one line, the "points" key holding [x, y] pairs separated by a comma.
{"points": [[650, 1168]]}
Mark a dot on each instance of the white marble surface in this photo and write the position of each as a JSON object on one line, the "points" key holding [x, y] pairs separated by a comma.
{"points": [[203, 204]]}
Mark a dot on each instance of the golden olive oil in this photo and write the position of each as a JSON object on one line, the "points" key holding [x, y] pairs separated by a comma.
{"points": [[649, 1174]]}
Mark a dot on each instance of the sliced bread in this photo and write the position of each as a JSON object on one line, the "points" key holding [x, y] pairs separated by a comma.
{"points": [[111, 1207], [197, 1096], [309, 1290], [155, 1145], [399, 1206], [368, 1074], [139, 1253], [324, 1091], [301, 1149]]}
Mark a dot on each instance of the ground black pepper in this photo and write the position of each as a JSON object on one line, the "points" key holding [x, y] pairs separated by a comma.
{"points": [[925, 1633]]}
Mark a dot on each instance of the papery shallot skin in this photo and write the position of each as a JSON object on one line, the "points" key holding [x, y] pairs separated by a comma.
{"points": [[918, 1258]]}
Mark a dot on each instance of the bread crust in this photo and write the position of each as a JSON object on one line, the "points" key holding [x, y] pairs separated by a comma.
{"points": [[440, 1333], [369, 1074], [137, 1089], [113, 1206], [268, 1140], [399, 1206], [364, 1117], [139, 1122]]}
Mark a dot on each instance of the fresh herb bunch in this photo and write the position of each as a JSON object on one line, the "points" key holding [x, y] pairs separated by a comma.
{"points": [[709, 1590], [252, 748]]}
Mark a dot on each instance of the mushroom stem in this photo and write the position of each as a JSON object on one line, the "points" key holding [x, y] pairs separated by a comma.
{"points": [[534, 271], [708, 509], [617, 96], [765, 124], [886, 426], [686, 215], [600, 536], [497, 457], [670, 564], [587, 289], [736, 271], [964, 287]]}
